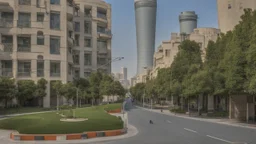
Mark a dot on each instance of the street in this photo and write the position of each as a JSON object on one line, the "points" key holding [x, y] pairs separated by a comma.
{"points": [[175, 130]]}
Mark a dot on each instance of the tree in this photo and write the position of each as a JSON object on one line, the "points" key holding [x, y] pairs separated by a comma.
{"points": [[68, 90], [106, 86], [57, 86], [118, 89], [40, 90], [95, 80], [8, 90], [26, 91], [138, 91], [83, 87]]}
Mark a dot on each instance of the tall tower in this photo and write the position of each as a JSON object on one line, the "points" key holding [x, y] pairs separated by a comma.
{"points": [[145, 12], [229, 12], [188, 22], [124, 72]]}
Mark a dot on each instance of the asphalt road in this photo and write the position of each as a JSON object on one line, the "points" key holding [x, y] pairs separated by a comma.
{"points": [[175, 130]]}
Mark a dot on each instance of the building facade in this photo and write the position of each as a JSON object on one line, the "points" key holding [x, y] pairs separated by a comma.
{"points": [[145, 13], [39, 40], [92, 33], [229, 12]]}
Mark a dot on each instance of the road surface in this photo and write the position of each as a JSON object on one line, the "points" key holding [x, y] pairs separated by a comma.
{"points": [[175, 130]]}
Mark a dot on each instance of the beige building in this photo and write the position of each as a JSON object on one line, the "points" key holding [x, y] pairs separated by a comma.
{"points": [[41, 39], [229, 12]]}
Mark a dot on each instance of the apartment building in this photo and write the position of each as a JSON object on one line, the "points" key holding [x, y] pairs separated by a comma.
{"points": [[92, 30], [41, 39], [229, 12]]}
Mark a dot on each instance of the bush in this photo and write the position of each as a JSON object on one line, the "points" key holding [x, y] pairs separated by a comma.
{"points": [[65, 107], [178, 111], [218, 114]]}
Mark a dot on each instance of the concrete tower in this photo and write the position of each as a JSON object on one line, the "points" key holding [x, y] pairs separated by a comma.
{"points": [[229, 12], [124, 72], [188, 22], [145, 11]]}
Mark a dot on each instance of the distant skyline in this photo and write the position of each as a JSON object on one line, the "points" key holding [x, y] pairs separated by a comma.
{"points": [[124, 28]]}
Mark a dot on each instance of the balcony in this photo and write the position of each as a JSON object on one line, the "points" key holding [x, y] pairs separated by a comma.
{"points": [[7, 72], [101, 18], [8, 47], [24, 24], [70, 26], [6, 23], [70, 12], [55, 74], [70, 42], [24, 72], [106, 34], [40, 72], [24, 48]]}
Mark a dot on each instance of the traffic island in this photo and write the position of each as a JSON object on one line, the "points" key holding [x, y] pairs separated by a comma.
{"points": [[16, 136]]}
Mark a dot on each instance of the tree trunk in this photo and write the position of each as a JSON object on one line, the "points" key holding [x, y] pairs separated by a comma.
{"points": [[6, 103]]}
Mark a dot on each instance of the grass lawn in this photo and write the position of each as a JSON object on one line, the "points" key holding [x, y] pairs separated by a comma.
{"points": [[49, 123], [4, 111]]}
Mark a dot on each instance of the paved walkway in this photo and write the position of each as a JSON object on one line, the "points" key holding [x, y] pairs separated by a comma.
{"points": [[213, 120]]}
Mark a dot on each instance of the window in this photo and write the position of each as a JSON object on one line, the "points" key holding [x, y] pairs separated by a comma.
{"points": [[24, 43], [87, 12], [7, 42], [24, 2], [24, 20], [101, 29], [24, 68], [55, 69], [101, 44], [87, 74], [77, 11], [101, 61], [167, 53], [87, 59], [40, 17], [77, 73], [55, 2], [40, 68], [76, 57], [77, 26], [101, 13], [87, 27], [87, 42], [40, 38], [55, 20], [54, 45], [69, 69], [229, 6], [77, 37]]}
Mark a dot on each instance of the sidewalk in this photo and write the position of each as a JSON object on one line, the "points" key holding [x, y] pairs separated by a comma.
{"points": [[212, 120]]}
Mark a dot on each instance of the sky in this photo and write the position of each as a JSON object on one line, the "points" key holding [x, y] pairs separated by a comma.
{"points": [[124, 28]]}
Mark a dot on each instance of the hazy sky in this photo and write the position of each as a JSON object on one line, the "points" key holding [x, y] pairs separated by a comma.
{"points": [[124, 29]]}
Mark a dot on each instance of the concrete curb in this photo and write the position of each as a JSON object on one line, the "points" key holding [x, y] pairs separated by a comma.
{"points": [[15, 136], [218, 121]]}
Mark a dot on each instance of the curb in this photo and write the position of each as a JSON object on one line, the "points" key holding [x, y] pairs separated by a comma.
{"points": [[60, 137], [114, 111]]}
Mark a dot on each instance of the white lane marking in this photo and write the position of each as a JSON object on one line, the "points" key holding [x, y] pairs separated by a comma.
{"points": [[219, 139], [190, 130], [169, 121]]}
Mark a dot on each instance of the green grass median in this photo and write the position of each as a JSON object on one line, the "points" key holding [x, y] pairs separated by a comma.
{"points": [[49, 123]]}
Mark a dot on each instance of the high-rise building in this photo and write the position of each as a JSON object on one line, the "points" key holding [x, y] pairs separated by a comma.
{"points": [[124, 72], [188, 22], [53, 39], [92, 30], [145, 13], [229, 12]]}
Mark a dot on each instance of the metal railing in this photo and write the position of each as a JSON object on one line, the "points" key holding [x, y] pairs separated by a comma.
{"points": [[102, 16], [40, 72], [24, 48], [7, 72], [24, 24], [105, 31], [55, 74], [4, 22], [8, 47], [24, 72]]}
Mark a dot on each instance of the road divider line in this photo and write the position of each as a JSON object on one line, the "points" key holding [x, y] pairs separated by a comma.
{"points": [[169, 121], [219, 139], [190, 130]]}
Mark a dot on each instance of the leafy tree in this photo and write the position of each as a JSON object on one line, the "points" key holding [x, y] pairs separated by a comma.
{"points": [[83, 86], [138, 91], [26, 91], [57, 86], [95, 80], [8, 89], [118, 89], [40, 91], [106, 86], [68, 90]]}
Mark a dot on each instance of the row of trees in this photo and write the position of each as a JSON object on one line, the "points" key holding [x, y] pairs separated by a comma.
{"points": [[229, 67], [26, 91]]}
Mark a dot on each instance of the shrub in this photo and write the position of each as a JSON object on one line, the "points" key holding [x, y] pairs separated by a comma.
{"points": [[218, 114], [178, 111]]}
